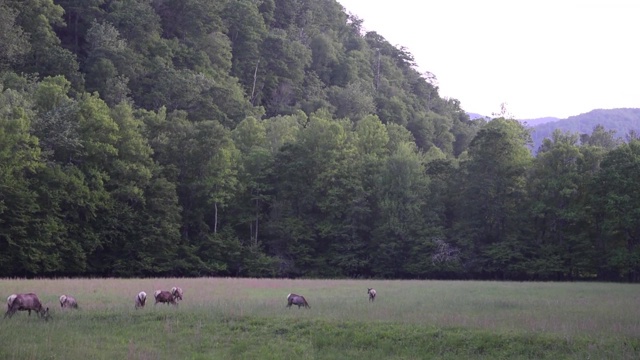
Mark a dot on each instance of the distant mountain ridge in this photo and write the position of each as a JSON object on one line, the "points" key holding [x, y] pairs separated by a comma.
{"points": [[621, 120], [529, 122], [539, 121]]}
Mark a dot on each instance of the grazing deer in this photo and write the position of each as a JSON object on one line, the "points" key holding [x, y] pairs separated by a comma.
{"points": [[141, 299], [10, 301], [177, 293], [295, 299], [163, 296], [67, 302], [372, 294], [27, 302]]}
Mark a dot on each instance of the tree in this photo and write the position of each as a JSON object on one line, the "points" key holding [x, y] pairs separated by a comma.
{"points": [[136, 21], [203, 161], [280, 79], [315, 189], [556, 188], [403, 224], [246, 30], [617, 205], [145, 216], [600, 137], [47, 57], [25, 239], [189, 19], [55, 123], [492, 207], [106, 55], [257, 162], [14, 42], [79, 16], [353, 102]]}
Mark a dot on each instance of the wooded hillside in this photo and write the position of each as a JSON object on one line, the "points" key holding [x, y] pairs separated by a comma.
{"points": [[275, 138]]}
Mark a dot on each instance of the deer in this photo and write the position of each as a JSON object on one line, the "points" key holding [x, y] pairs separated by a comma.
{"points": [[27, 302], [68, 302], [177, 293], [295, 299], [372, 294], [141, 299], [163, 296]]}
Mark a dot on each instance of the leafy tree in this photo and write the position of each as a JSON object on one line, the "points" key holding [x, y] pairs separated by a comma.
{"points": [[282, 130], [394, 110], [47, 57], [246, 30], [203, 161], [617, 203], [13, 41], [371, 142], [353, 102], [79, 15], [556, 188], [492, 206], [189, 19], [25, 238], [401, 229], [600, 137], [136, 21], [279, 80], [257, 162], [107, 53], [146, 213], [314, 187]]}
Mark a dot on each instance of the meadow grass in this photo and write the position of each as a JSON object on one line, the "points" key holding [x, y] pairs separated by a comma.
{"points": [[224, 318]]}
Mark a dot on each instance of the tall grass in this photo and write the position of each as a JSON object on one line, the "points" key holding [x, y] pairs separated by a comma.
{"points": [[247, 318]]}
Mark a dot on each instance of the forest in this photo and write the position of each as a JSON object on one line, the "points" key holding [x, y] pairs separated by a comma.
{"points": [[277, 138]]}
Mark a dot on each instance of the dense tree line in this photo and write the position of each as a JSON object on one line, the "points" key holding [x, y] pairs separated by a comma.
{"points": [[276, 138]]}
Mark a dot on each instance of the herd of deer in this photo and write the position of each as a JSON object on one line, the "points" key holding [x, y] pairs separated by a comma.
{"points": [[30, 301]]}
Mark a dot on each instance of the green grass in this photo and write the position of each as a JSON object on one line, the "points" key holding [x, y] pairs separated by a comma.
{"points": [[247, 319]]}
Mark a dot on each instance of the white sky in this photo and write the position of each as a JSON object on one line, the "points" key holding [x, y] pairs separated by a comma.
{"points": [[542, 57]]}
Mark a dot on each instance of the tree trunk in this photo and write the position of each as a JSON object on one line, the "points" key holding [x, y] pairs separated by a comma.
{"points": [[255, 77], [255, 239], [215, 218]]}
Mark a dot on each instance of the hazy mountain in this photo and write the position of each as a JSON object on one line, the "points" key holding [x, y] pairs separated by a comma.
{"points": [[620, 120], [529, 122], [474, 116], [539, 121]]}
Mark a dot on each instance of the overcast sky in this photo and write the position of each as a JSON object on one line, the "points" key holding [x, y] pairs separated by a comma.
{"points": [[543, 58]]}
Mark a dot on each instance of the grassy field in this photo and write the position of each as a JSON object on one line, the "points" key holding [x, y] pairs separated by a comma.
{"points": [[247, 319]]}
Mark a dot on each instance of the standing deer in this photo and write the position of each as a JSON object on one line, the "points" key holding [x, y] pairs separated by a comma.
{"points": [[163, 296], [295, 299], [141, 299], [372, 294], [27, 302], [177, 293], [68, 302]]}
